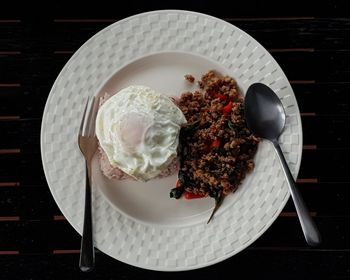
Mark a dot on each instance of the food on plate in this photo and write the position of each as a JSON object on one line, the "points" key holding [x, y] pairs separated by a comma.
{"points": [[138, 132], [217, 148], [202, 135], [189, 78]]}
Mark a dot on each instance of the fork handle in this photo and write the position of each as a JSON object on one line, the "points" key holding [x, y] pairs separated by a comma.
{"points": [[87, 254]]}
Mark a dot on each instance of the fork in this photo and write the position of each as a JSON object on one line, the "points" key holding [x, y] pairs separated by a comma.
{"points": [[88, 144]]}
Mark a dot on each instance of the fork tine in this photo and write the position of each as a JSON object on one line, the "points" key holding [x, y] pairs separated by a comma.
{"points": [[94, 115], [90, 121], [83, 118]]}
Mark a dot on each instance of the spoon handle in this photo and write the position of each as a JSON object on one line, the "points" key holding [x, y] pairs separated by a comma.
{"points": [[308, 226]]}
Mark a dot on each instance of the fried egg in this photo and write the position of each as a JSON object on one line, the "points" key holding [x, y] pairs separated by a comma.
{"points": [[138, 128]]}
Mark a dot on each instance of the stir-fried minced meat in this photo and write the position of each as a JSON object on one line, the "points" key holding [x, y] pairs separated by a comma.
{"points": [[217, 148], [189, 78]]}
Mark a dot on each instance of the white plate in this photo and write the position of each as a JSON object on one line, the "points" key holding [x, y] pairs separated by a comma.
{"points": [[138, 223]]}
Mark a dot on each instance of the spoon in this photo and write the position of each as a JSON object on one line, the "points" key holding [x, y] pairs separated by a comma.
{"points": [[266, 118]]}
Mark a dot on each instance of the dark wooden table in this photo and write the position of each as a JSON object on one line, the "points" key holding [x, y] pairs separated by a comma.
{"points": [[313, 48]]}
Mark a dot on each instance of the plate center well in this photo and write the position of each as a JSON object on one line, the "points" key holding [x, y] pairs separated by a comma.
{"points": [[150, 202]]}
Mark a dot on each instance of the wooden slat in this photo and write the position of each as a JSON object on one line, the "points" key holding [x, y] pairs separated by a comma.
{"points": [[82, 20], [254, 9], [10, 20], [10, 184], [301, 82], [320, 33], [323, 65], [9, 118], [286, 50], [13, 252], [291, 237], [11, 141], [323, 98], [327, 132], [45, 207], [10, 105], [327, 199], [10, 151], [28, 202], [8, 219], [10, 204], [307, 180], [35, 99], [327, 165], [34, 236], [316, 195], [71, 251], [10, 84], [64, 52], [294, 214], [9, 167], [10, 52], [255, 19], [310, 147], [11, 37], [308, 114], [59, 218]]}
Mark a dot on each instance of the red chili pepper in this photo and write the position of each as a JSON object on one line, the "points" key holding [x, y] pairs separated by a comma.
{"points": [[222, 97], [227, 108], [216, 143], [189, 195]]}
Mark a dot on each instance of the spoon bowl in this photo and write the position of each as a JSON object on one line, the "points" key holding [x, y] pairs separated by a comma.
{"points": [[266, 118], [264, 112]]}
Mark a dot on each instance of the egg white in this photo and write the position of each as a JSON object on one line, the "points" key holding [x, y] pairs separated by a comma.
{"points": [[138, 129]]}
